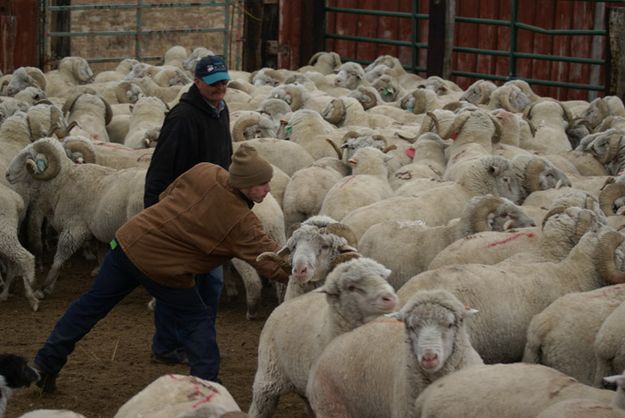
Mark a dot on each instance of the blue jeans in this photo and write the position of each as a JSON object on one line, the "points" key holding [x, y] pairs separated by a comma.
{"points": [[168, 335], [118, 277]]}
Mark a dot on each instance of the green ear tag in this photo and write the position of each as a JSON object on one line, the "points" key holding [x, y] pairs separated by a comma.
{"points": [[113, 244], [386, 92], [289, 130]]}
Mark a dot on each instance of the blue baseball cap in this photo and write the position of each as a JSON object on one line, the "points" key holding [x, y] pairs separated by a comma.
{"points": [[211, 69]]}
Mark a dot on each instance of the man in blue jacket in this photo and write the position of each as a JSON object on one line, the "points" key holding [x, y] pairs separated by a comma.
{"points": [[196, 130]]}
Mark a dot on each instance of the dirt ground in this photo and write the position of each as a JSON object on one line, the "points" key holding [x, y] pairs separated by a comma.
{"points": [[112, 363]]}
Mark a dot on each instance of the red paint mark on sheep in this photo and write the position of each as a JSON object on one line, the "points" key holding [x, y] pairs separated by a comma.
{"points": [[511, 238], [207, 399]]}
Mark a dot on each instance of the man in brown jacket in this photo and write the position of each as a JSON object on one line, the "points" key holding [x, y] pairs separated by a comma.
{"points": [[202, 219]]}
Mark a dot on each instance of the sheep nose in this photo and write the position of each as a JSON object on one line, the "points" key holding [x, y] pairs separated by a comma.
{"points": [[389, 301], [429, 360]]}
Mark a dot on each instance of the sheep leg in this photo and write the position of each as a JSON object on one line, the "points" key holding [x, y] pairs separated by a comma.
{"points": [[34, 234], [20, 262], [70, 241], [269, 384], [253, 286], [264, 399]]}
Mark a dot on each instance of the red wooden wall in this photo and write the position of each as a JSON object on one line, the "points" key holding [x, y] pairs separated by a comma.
{"points": [[18, 34], [547, 14]]}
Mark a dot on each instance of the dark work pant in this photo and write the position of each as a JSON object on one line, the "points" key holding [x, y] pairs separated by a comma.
{"points": [[118, 277]]}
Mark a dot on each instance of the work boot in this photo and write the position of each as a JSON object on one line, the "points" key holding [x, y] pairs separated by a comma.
{"points": [[47, 382], [173, 357]]}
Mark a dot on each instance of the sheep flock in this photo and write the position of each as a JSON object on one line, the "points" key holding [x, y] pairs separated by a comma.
{"points": [[453, 252]]}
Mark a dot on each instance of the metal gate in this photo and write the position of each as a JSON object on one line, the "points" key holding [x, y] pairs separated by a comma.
{"points": [[489, 39], [104, 31]]}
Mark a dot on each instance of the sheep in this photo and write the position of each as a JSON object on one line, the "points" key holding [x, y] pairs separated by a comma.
{"points": [[588, 408], [388, 88], [612, 201], [439, 205], [12, 212], [549, 119], [347, 111], [312, 251], [561, 230], [602, 107], [417, 245], [479, 92], [350, 75], [367, 184], [308, 128], [91, 113], [286, 155], [501, 390], [528, 288], [298, 97], [250, 124], [379, 369], [169, 75], [305, 192], [149, 87], [427, 155], [148, 114], [118, 74], [297, 331], [196, 54], [81, 150], [608, 345], [509, 97], [175, 395], [24, 77], [322, 62], [607, 147], [107, 198], [71, 72], [15, 134], [549, 338]]}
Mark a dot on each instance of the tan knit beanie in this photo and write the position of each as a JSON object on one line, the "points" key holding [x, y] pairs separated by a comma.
{"points": [[248, 168]]}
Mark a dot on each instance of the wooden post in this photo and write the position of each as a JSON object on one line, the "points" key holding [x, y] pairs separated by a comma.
{"points": [[615, 67], [252, 44], [313, 26], [440, 37]]}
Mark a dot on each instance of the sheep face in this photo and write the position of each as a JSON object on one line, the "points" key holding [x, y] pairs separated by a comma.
{"points": [[350, 76], [387, 87], [568, 225], [432, 326], [508, 215], [508, 185], [359, 289], [312, 253]]}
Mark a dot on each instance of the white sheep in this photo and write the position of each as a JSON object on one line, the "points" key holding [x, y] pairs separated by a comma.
{"points": [[528, 288], [80, 200], [312, 251], [502, 390], [179, 396], [439, 205], [52, 413], [308, 128], [367, 184], [297, 331], [549, 119], [71, 72], [379, 369], [148, 114], [91, 113], [24, 77], [81, 150], [118, 74], [322, 62], [608, 345], [286, 155], [549, 338], [416, 244], [589, 408]]}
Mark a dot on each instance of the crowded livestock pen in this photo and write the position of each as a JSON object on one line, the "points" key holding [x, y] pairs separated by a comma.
{"points": [[451, 252]]}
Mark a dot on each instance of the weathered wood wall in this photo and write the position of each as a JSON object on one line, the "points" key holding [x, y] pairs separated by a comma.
{"points": [[18, 34]]}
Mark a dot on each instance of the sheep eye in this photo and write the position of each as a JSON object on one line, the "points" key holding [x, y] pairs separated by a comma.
{"points": [[351, 288], [450, 326], [325, 247]]}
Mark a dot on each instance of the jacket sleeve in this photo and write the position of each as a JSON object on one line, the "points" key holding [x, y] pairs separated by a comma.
{"points": [[248, 240], [172, 156]]}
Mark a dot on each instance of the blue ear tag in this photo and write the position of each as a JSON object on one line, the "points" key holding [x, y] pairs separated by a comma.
{"points": [[41, 166], [410, 108]]}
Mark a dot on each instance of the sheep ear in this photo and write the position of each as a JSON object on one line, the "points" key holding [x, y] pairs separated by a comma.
{"points": [[469, 312]]}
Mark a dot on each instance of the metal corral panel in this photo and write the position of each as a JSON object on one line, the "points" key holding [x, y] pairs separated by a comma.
{"points": [[18, 34]]}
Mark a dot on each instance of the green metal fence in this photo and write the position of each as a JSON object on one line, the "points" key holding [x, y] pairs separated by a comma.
{"points": [[513, 54], [138, 33], [415, 42]]}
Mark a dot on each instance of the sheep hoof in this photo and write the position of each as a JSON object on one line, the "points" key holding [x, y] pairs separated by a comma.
{"points": [[34, 304], [39, 294]]}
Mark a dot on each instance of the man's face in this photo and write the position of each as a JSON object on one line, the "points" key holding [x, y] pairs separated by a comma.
{"points": [[257, 193], [214, 93]]}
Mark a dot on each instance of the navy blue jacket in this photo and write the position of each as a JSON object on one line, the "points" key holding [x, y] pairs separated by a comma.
{"points": [[193, 132]]}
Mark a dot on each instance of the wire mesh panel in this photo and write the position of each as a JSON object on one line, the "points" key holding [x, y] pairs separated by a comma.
{"points": [[107, 31]]}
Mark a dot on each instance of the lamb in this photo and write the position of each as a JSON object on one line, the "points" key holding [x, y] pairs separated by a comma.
{"points": [[417, 244], [551, 342], [439, 205], [528, 288], [42, 172], [561, 230], [71, 72], [501, 390], [367, 184], [608, 345], [297, 331], [312, 251], [587, 408], [379, 369], [145, 123], [175, 395]]}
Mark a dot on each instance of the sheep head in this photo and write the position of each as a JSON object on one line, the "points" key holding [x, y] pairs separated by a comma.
{"points": [[610, 257], [612, 198], [387, 87], [80, 150], [419, 101], [540, 174], [335, 111], [605, 146], [367, 96], [42, 160], [479, 92], [491, 213]]}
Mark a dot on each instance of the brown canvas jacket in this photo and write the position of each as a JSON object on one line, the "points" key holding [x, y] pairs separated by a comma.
{"points": [[199, 223]]}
